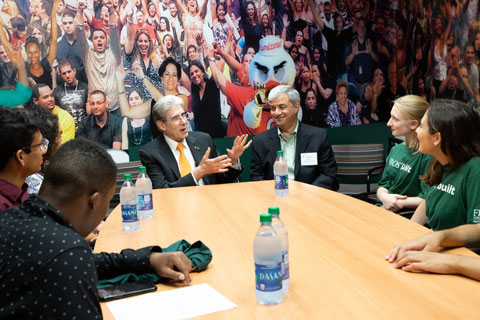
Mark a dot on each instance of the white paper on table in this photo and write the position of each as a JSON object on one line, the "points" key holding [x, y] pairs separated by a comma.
{"points": [[183, 303]]}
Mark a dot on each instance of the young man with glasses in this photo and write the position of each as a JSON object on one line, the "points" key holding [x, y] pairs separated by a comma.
{"points": [[22, 153], [101, 126], [178, 158]]}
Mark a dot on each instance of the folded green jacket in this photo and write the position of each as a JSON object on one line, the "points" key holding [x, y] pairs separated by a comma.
{"points": [[198, 253]]}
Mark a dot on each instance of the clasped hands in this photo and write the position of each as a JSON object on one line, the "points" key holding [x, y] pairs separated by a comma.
{"points": [[421, 255], [221, 163], [392, 202]]}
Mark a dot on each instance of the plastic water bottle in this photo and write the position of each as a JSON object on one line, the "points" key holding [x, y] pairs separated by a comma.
{"points": [[129, 204], [280, 172], [144, 190], [282, 232], [267, 253]]}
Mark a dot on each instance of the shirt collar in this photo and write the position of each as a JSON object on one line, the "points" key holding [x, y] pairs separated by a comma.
{"points": [[173, 144], [41, 208], [12, 192], [293, 133]]}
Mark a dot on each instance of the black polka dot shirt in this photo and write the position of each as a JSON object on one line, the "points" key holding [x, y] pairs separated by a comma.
{"points": [[48, 271]]}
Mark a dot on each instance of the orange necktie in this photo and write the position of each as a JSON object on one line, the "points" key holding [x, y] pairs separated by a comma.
{"points": [[183, 163]]}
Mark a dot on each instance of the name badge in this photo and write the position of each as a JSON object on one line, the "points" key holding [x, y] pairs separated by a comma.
{"points": [[308, 159]]}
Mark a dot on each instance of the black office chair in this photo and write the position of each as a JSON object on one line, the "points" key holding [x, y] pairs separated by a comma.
{"points": [[359, 167]]}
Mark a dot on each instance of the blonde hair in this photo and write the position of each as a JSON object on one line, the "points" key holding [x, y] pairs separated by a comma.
{"points": [[412, 107]]}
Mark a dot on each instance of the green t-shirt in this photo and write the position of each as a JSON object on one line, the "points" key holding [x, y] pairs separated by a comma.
{"points": [[456, 200], [402, 171]]}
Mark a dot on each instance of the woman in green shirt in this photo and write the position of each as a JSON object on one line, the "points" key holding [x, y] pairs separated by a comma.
{"points": [[400, 188], [449, 131]]}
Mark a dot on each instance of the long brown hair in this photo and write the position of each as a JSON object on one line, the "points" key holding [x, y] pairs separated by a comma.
{"points": [[458, 125]]}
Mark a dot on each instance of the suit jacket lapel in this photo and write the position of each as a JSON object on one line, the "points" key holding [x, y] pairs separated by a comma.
{"points": [[299, 148], [168, 155], [275, 142], [196, 149]]}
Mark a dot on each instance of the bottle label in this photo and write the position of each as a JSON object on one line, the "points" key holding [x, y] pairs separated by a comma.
{"points": [[285, 267], [281, 182], [145, 202], [129, 212], [268, 278]]}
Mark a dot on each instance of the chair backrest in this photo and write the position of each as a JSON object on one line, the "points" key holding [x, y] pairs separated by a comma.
{"points": [[354, 162], [123, 168], [119, 156]]}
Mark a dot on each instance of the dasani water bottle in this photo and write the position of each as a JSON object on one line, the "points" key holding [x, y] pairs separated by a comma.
{"points": [[129, 204], [282, 232], [267, 253], [280, 173], [144, 190]]}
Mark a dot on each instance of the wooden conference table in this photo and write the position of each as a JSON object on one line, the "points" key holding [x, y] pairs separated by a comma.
{"points": [[337, 250]]}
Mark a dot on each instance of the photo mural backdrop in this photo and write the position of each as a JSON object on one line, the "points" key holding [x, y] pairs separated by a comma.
{"points": [[232, 52]]}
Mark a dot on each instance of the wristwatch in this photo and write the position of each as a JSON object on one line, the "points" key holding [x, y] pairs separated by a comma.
{"points": [[211, 58]]}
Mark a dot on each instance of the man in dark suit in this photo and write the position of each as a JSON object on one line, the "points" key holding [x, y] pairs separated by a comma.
{"points": [[307, 149], [178, 158]]}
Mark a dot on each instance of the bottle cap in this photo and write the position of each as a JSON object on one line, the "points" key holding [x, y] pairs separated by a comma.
{"points": [[280, 153], [265, 217], [274, 210], [142, 169], [127, 176]]}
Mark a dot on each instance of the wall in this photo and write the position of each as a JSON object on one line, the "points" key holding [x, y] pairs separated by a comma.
{"points": [[381, 49]]}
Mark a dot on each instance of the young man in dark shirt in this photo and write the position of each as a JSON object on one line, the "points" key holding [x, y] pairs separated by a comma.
{"points": [[101, 126], [72, 94], [48, 269]]}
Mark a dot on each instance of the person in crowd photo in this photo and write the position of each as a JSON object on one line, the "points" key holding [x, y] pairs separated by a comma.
{"points": [[39, 67], [456, 86], [67, 46], [337, 40], [139, 49], [22, 92], [251, 24], [100, 59], [170, 73], [438, 52], [205, 101], [42, 97], [312, 115], [135, 131], [8, 71], [35, 29], [304, 82], [343, 111], [101, 126], [72, 95], [361, 57], [192, 21]]}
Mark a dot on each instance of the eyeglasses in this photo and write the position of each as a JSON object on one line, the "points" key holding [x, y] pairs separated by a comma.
{"points": [[43, 146], [179, 118]]}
